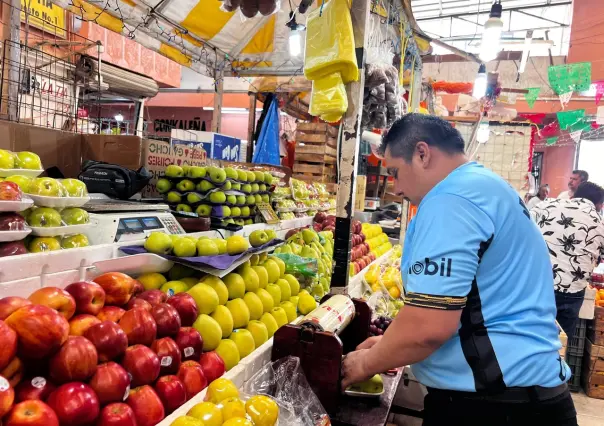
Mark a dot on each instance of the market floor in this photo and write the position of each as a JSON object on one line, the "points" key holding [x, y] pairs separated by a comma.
{"points": [[590, 413]]}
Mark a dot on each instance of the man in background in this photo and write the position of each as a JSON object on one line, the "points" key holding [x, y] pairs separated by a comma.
{"points": [[576, 179], [541, 196], [574, 233]]}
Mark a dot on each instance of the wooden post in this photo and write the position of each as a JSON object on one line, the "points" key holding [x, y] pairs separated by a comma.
{"points": [[251, 127], [217, 113], [348, 151]]}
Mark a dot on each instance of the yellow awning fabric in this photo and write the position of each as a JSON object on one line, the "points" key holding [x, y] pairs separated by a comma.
{"points": [[199, 34]]}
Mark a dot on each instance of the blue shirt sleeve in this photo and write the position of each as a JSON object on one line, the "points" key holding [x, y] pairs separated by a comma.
{"points": [[449, 234]]}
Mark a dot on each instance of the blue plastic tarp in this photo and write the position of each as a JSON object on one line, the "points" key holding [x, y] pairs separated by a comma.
{"points": [[267, 148]]}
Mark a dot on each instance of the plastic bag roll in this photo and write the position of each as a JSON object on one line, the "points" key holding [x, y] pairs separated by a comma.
{"points": [[328, 99]]}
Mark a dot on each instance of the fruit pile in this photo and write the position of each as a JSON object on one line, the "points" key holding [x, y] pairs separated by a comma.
{"points": [[379, 325], [226, 194], [189, 246], [371, 244], [386, 276], [307, 243], [23, 160], [224, 406]]}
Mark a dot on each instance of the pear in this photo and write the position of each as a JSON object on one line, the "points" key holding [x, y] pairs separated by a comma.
{"points": [[373, 385]]}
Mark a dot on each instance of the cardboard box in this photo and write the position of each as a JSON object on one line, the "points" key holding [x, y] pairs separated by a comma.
{"points": [[157, 155], [126, 151]]}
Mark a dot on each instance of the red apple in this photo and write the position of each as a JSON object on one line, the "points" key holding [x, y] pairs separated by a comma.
{"points": [[10, 304], [111, 313], [10, 191], [139, 326], [317, 227], [111, 383], [190, 343], [138, 288], [80, 323], [41, 330], [191, 375], [34, 388], [8, 344], [146, 405], [75, 404], [13, 372], [13, 248], [186, 307], [109, 340], [154, 297], [89, 297], [142, 364], [118, 287], [330, 228], [135, 302], [171, 391], [76, 361], [169, 355], [32, 413], [319, 217], [212, 365], [167, 319], [117, 414], [55, 298], [12, 222], [7, 396], [362, 237]]}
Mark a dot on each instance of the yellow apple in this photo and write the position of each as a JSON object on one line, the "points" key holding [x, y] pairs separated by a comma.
{"points": [[208, 413], [254, 304], [219, 287], [205, 297], [271, 325], [262, 276], [290, 310], [152, 280], [286, 291], [244, 341], [235, 285], [210, 331], [259, 332], [279, 263], [227, 350], [293, 284], [273, 270], [275, 291], [267, 300], [280, 316], [239, 311], [236, 244], [223, 317]]}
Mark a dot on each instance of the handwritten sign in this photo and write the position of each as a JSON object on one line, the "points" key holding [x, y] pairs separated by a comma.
{"points": [[45, 15], [267, 213]]}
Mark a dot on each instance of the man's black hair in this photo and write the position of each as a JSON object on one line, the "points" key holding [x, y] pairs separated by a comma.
{"points": [[591, 191], [407, 131], [583, 175]]}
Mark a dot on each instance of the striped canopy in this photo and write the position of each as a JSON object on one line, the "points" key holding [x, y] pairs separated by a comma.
{"points": [[199, 34]]}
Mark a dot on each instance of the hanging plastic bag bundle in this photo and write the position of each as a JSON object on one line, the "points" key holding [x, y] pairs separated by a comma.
{"points": [[328, 98]]}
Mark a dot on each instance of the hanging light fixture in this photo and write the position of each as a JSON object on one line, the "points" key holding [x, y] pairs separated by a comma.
{"points": [[491, 36], [480, 84], [295, 35], [119, 117]]}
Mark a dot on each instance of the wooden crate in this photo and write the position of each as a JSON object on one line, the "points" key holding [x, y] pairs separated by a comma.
{"points": [[315, 154], [593, 370]]}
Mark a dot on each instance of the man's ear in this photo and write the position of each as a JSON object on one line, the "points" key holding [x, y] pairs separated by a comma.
{"points": [[422, 150]]}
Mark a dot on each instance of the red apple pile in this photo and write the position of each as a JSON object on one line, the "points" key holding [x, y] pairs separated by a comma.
{"points": [[360, 254], [99, 353], [323, 222]]}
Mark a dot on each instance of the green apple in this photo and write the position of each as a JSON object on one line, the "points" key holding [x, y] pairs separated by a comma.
{"points": [[258, 238], [226, 211], [7, 159], [241, 175], [203, 210], [75, 216], [247, 188], [174, 171], [222, 245], [216, 174], [173, 197], [290, 310], [236, 186], [235, 211], [271, 234], [47, 187], [250, 200], [75, 241], [184, 247], [196, 172], [255, 187], [259, 332], [231, 173], [258, 198], [236, 244], [279, 315], [227, 350], [219, 287], [275, 291], [248, 222], [194, 198], [245, 211], [206, 247], [158, 243], [268, 178], [250, 176], [267, 300], [205, 297], [22, 181], [205, 186], [210, 331], [218, 197], [74, 187], [265, 198], [186, 169], [185, 185], [174, 287], [231, 199], [42, 244], [235, 285], [254, 304], [262, 187], [227, 186], [262, 275], [163, 185], [286, 291], [44, 217], [259, 176], [244, 341], [293, 284], [269, 321], [223, 317], [184, 208], [28, 160], [241, 200], [239, 311]]}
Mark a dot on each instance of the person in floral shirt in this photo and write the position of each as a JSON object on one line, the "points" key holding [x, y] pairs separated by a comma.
{"points": [[574, 233]]}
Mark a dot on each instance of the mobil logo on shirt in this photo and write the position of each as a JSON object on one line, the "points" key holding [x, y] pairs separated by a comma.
{"points": [[442, 267]]}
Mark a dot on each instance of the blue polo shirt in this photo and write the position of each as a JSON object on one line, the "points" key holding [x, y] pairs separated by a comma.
{"points": [[472, 246]]}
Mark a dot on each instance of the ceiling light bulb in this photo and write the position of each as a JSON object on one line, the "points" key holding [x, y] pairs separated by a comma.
{"points": [[295, 43], [491, 36], [119, 117], [480, 84]]}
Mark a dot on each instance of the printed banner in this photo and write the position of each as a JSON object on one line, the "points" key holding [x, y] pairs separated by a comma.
{"points": [[566, 78], [566, 118], [532, 95]]}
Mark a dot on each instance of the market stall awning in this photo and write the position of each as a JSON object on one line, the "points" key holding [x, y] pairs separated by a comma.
{"points": [[198, 33]]}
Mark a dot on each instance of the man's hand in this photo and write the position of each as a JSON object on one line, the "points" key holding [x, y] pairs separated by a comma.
{"points": [[353, 368], [368, 344]]}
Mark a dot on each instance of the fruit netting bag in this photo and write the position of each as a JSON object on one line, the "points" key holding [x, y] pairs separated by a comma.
{"points": [[295, 264], [285, 381], [328, 98]]}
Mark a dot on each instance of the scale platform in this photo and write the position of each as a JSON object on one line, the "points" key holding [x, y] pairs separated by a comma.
{"points": [[109, 206]]}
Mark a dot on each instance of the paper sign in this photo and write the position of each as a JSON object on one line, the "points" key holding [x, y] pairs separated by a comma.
{"points": [[570, 77], [267, 212], [566, 118], [565, 98], [532, 95], [576, 136], [44, 15]]}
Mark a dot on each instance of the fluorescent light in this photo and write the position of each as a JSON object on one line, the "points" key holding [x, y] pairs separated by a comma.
{"points": [[208, 108], [491, 37], [526, 51], [119, 117], [482, 136], [480, 84], [295, 43], [439, 50]]}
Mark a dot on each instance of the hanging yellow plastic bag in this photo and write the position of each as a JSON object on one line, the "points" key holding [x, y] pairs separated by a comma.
{"points": [[328, 98], [330, 43]]}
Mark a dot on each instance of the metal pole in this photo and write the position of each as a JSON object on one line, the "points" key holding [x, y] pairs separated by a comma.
{"points": [[14, 64], [251, 127], [348, 150], [218, 91], [139, 111]]}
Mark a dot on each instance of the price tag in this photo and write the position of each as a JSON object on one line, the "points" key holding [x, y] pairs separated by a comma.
{"points": [[38, 382], [267, 212], [189, 351], [127, 393], [4, 385], [166, 361]]}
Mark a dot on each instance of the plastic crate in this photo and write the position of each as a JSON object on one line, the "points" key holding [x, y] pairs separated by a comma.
{"points": [[576, 343], [575, 364]]}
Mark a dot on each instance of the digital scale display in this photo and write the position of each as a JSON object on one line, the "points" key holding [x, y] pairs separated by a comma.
{"points": [[137, 225]]}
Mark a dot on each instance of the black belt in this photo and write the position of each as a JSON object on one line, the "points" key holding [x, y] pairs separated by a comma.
{"points": [[513, 394]]}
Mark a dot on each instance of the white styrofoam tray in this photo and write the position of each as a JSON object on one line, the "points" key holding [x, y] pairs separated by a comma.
{"points": [[6, 236], [136, 264], [58, 202], [21, 172], [59, 231], [16, 206]]}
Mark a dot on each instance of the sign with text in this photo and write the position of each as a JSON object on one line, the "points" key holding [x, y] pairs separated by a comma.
{"points": [[217, 146], [267, 213], [226, 148], [45, 15]]}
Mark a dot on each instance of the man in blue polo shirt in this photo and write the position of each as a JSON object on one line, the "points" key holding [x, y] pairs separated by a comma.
{"points": [[478, 325]]}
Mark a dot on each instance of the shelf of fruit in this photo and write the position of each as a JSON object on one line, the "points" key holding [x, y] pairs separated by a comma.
{"points": [[122, 348]]}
